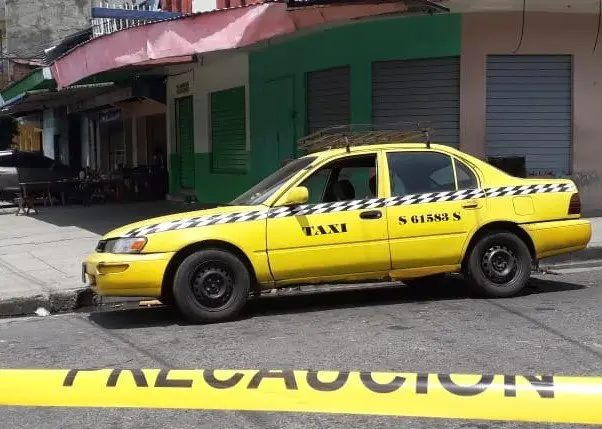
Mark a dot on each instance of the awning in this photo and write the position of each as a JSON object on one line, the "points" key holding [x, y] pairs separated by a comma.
{"points": [[222, 29], [39, 100], [36, 80]]}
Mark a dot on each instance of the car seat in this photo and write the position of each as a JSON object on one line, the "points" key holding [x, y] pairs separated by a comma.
{"points": [[372, 185], [343, 190]]}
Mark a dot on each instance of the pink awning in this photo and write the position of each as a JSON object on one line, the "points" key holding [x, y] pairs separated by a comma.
{"points": [[176, 40]]}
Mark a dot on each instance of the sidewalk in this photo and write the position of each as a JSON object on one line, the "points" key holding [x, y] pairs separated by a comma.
{"points": [[41, 254]]}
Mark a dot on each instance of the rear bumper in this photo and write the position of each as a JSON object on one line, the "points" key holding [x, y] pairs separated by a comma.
{"points": [[125, 275], [559, 237]]}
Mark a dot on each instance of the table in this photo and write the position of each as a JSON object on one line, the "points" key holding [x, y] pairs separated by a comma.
{"points": [[25, 200]]}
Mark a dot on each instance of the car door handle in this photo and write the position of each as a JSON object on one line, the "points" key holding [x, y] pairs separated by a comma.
{"points": [[371, 214], [470, 205]]}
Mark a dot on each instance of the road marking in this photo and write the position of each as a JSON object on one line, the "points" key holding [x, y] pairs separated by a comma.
{"points": [[535, 398]]}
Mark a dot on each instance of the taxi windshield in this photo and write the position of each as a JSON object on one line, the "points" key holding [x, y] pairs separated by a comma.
{"points": [[266, 188]]}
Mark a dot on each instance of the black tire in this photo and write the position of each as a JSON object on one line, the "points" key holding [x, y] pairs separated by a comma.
{"points": [[167, 299], [499, 265], [211, 285], [421, 283]]}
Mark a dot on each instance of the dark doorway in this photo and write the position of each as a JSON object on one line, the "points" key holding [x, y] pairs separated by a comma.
{"points": [[75, 141]]}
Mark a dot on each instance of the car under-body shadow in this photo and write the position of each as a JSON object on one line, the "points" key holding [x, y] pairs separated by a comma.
{"points": [[318, 301]]}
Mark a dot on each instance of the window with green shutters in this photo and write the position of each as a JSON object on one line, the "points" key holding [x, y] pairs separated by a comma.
{"points": [[185, 140], [228, 131]]}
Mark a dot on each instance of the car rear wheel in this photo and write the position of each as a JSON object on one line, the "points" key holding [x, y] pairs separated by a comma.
{"points": [[211, 285], [499, 265]]}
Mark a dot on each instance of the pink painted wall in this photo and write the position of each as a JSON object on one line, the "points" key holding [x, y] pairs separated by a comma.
{"points": [[545, 33]]}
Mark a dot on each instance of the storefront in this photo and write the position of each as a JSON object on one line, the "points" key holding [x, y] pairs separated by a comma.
{"points": [[409, 90], [526, 104], [328, 98], [529, 111], [115, 146], [382, 71], [419, 90], [209, 133]]}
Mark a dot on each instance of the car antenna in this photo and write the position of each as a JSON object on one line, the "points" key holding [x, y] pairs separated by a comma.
{"points": [[347, 145]]}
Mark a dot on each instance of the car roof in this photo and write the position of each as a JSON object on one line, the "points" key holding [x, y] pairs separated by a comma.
{"points": [[327, 153]]}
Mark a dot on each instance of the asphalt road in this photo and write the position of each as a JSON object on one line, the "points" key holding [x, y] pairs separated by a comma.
{"points": [[554, 328]]}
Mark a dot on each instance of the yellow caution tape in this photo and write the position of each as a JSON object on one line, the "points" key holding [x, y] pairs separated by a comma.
{"points": [[543, 398]]}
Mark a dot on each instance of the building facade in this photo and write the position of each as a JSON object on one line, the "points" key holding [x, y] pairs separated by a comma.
{"points": [[209, 127], [523, 96], [104, 123]]}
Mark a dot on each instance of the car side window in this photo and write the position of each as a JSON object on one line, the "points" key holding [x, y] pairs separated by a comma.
{"points": [[420, 172], [350, 178], [316, 184], [466, 178], [359, 177]]}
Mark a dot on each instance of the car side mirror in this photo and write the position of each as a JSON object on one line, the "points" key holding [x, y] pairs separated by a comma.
{"points": [[296, 195]]}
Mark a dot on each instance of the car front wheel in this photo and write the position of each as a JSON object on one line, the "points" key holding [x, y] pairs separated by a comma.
{"points": [[211, 285], [499, 265]]}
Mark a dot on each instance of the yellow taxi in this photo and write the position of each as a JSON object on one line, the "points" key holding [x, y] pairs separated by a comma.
{"points": [[411, 212]]}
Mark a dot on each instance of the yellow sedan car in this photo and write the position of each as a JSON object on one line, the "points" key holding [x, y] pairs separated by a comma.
{"points": [[373, 212]]}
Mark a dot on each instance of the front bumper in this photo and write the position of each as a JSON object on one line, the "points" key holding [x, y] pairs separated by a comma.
{"points": [[126, 274]]}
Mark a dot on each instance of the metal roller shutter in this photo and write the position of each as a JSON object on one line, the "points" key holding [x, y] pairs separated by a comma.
{"points": [[529, 110], [419, 90], [328, 99]]}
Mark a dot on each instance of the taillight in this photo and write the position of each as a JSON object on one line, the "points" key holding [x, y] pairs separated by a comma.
{"points": [[575, 205]]}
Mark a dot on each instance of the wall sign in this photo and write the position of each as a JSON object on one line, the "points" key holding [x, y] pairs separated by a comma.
{"points": [[110, 115], [182, 88]]}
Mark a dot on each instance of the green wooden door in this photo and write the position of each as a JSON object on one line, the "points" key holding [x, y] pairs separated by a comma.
{"points": [[280, 114], [185, 140]]}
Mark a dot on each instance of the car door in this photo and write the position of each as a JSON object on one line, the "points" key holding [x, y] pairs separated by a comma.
{"points": [[435, 203], [9, 182], [340, 233]]}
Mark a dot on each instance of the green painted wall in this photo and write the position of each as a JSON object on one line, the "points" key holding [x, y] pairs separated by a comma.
{"points": [[358, 45], [210, 187]]}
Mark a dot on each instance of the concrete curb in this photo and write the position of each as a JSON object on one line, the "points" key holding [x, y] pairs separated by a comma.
{"points": [[587, 254], [61, 301], [58, 301]]}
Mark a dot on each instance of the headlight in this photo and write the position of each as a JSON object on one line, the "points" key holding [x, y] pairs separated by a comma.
{"points": [[125, 245]]}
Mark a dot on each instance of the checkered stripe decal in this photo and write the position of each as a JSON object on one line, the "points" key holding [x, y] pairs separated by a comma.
{"points": [[195, 222], [529, 189], [340, 206]]}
